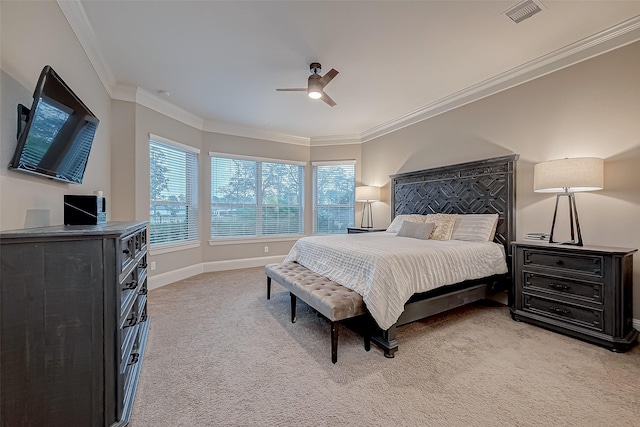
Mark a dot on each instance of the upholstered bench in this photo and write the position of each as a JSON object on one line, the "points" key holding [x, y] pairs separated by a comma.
{"points": [[333, 301]]}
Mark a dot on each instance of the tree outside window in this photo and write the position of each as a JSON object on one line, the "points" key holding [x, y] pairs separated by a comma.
{"points": [[334, 197], [173, 215]]}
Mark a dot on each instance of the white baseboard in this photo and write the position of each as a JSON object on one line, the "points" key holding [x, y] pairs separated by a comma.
{"points": [[236, 264], [163, 279], [208, 267]]}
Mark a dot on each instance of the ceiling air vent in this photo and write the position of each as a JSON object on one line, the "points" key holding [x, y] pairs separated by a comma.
{"points": [[523, 10]]}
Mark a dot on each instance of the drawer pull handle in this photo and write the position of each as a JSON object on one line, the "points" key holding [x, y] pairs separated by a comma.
{"points": [[126, 251], [596, 266], [559, 286], [559, 310], [131, 320], [131, 285], [133, 359], [559, 262], [142, 291]]}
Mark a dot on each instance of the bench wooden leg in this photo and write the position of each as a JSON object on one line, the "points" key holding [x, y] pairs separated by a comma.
{"points": [[334, 341], [293, 307], [367, 340], [268, 287]]}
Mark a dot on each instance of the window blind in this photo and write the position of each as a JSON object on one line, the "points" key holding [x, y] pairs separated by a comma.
{"points": [[173, 193], [333, 197], [255, 197]]}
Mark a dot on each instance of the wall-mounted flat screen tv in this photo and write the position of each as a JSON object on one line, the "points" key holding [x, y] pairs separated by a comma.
{"points": [[56, 134]]}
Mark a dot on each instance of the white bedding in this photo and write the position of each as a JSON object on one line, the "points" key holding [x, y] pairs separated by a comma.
{"points": [[387, 270]]}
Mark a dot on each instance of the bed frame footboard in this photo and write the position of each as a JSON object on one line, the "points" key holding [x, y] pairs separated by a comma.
{"points": [[435, 302]]}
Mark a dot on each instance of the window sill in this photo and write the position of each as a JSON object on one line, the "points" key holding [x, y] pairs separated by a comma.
{"points": [[173, 247], [240, 241]]}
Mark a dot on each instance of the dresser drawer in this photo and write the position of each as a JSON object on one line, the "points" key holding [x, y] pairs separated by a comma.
{"points": [[127, 252], [129, 339], [140, 242], [579, 289], [591, 318], [588, 264], [129, 288]]}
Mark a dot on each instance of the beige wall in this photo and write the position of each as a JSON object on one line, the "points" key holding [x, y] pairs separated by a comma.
{"points": [[589, 109], [34, 34], [123, 153]]}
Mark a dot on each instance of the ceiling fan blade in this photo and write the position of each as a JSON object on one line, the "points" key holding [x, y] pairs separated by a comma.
{"points": [[328, 76], [326, 98], [297, 89]]}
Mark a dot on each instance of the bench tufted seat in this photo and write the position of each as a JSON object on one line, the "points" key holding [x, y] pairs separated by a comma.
{"points": [[333, 301]]}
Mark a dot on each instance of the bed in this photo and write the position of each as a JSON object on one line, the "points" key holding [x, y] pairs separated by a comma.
{"points": [[388, 270]]}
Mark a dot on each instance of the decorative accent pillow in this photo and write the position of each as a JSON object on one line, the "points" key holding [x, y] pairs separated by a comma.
{"points": [[415, 230], [443, 225], [475, 227], [394, 227]]}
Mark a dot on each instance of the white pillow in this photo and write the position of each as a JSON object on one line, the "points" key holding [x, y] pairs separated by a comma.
{"points": [[475, 227], [416, 230], [395, 225]]}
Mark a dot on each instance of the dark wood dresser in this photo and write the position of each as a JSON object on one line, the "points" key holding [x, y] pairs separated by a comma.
{"points": [[74, 323], [581, 291]]}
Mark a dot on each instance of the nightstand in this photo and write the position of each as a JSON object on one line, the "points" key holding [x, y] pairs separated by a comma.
{"points": [[581, 291], [354, 230]]}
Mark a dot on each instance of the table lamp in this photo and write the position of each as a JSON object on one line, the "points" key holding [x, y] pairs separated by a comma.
{"points": [[367, 195], [566, 177]]}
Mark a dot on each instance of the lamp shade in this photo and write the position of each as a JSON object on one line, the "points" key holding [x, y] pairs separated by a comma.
{"points": [[578, 174], [367, 194]]}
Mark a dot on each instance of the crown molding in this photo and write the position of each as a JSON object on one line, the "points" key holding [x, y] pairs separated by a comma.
{"points": [[617, 36], [123, 92], [612, 38], [248, 132], [156, 103], [336, 140], [79, 22], [161, 105]]}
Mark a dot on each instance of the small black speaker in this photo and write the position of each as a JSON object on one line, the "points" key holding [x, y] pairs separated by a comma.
{"points": [[84, 210]]}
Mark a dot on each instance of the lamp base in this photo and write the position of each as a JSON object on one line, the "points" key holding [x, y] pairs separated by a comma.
{"points": [[576, 235], [578, 243], [366, 211]]}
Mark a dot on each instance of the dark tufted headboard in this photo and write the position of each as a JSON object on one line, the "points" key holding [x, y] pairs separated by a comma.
{"points": [[483, 186]]}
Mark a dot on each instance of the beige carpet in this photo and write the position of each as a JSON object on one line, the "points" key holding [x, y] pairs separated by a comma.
{"points": [[221, 354]]}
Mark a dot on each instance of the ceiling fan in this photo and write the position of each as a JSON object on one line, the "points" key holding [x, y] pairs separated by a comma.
{"points": [[316, 84]]}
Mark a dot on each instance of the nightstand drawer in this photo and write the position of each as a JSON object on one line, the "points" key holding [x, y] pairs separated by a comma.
{"points": [[582, 316], [584, 290], [588, 264]]}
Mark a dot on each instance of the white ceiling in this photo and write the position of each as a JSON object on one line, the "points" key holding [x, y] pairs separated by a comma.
{"points": [[222, 61]]}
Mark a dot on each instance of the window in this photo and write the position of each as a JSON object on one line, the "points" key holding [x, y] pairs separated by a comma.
{"points": [[253, 197], [333, 196], [173, 192]]}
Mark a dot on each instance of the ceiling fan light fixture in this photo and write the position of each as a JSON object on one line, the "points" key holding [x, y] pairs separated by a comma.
{"points": [[315, 88], [316, 84]]}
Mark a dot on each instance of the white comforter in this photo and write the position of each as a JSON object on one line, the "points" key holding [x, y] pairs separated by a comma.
{"points": [[387, 270]]}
